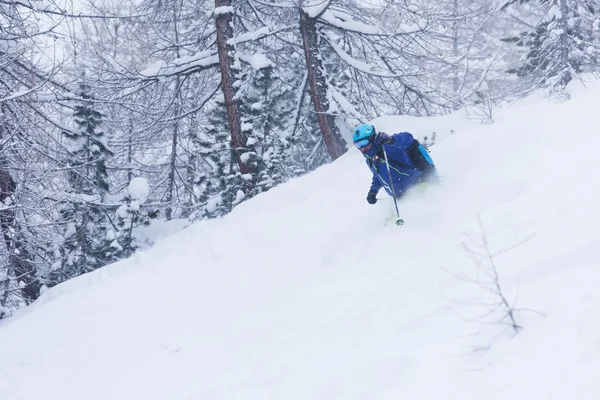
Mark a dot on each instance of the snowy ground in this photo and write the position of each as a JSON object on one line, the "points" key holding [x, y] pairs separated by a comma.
{"points": [[303, 293]]}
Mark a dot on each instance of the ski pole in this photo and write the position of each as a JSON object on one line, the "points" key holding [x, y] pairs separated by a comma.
{"points": [[387, 164]]}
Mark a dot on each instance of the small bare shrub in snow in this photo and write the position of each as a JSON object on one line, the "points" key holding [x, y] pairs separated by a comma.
{"points": [[483, 110], [495, 305]]}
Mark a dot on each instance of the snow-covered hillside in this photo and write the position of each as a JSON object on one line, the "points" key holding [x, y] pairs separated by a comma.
{"points": [[303, 293]]}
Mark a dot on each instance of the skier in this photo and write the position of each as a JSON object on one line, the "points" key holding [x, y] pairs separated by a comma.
{"points": [[408, 161]]}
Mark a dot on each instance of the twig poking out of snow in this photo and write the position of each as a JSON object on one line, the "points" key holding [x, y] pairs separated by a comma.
{"points": [[498, 310]]}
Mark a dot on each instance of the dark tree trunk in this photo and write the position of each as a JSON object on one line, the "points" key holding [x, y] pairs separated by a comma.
{"points": [[455, 80], [564, 44], [130, 152], [175, 139], [318, 86], [20, 265], [191, 169], [226, 51], [172, 167]]}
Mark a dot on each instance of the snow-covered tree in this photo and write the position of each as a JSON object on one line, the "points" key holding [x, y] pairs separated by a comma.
{"points": [[214, 151], [27, 152], [263, 91], [85, 214], [131, 214], [216, 101], [563, 43]]}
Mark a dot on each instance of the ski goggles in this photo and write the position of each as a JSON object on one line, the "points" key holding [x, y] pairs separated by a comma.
{"points": [[362, 143]]}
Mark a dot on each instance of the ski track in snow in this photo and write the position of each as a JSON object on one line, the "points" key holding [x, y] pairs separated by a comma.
{"points": [[303, 293]]}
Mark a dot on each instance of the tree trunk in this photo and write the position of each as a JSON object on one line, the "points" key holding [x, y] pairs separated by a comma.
{"points": [[130, 152], [318, 86], [19, 262], [178, 101], [173, 161], [226, 51], [564, 43], [191, 167], [455, 80]]}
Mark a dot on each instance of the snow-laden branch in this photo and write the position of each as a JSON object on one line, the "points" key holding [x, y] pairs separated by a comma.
{"points": [[183, 65], [64, 13], [345, 22], [279, 4], [223, 10], [260, 33], [344, 104], [361, 66], [315, 8], [203, 102], [16, 95], [250, 36], [257, 61]]}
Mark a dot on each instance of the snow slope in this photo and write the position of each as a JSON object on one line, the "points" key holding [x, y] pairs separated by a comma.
{"points": [[303, 293]]}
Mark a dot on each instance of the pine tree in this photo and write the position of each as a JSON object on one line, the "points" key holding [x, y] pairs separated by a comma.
{"points": [[563, 44], [131, 214], [261, 93], [213, 150], [87, 243], [88, 148]]}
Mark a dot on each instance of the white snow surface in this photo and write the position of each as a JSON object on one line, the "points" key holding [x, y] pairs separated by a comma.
{"points": [[303, 293], [159, 229]]}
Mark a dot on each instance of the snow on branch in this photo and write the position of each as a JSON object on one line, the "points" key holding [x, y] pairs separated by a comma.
{"points": [[357, 64], [276, 4], [260, 33], [183, 65], [55, 10], [344, 104], [16, 95], [223, 10], [316, 8], [257, 61], [250, 36], [343, 21]]}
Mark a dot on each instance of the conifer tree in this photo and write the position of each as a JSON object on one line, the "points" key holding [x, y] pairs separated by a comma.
{"points": [[563, 44], [85, 214]]}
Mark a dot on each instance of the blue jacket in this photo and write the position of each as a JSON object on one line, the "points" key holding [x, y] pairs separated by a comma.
{"points": [[409, 160]]}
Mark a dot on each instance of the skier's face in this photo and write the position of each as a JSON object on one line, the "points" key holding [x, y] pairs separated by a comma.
{"points": [[366, 148], [364, 144]]}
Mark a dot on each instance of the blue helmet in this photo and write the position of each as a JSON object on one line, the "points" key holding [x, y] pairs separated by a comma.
{"points": [[363, 135]]}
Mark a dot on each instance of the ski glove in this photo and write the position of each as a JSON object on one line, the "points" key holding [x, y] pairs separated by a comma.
{"points": [[372, 197], [387, 139]]}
